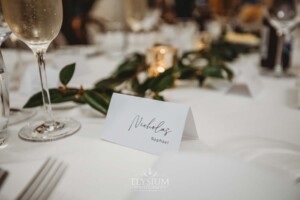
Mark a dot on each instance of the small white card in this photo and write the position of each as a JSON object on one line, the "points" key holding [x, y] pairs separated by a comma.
{"points": [[148, 125], [248, 84]]}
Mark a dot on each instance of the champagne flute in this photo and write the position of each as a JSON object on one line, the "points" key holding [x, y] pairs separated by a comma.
{"points": [[142, 16], [135, 11], [37, 23], [283, 15], [15, 115], [224, 11], [4, 101], [4, 29]]}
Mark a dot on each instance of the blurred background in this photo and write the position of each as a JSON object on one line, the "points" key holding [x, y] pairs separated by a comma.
{"points": [[118, 26], [84, 19]]}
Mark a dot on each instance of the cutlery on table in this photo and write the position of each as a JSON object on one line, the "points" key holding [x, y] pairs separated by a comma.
{"points": [[44, 181]]}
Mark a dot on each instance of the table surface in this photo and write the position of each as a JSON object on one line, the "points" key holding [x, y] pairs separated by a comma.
{"points": [[263, 129]]}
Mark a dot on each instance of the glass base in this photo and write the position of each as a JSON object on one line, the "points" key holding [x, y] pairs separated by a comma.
{"points": [[49, 131]]}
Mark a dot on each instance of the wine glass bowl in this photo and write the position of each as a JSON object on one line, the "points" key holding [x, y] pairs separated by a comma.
{"points": [[224, 11], [141, 15], [142, 18], [37, 23], [4, 30], [135, 19], [283, 15]]}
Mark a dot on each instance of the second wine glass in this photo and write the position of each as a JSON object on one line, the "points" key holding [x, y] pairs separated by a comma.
{"points": [[37, 23], [142, 18], [283, 15]]}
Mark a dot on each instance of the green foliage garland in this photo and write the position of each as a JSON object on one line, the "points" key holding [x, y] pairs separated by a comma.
{"points": [[192, 65]]}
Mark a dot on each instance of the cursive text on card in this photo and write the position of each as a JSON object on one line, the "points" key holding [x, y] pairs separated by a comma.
{"points": [[153, 125]]}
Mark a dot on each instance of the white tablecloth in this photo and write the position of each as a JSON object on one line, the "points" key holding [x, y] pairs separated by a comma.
{"points": [[263, 129]]}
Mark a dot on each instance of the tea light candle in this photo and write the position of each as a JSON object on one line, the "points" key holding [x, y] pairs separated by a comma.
{"points": [[159, 59]]}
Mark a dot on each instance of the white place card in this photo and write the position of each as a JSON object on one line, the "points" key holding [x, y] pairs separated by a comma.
{"points": [[248, 84], [148, 125]]}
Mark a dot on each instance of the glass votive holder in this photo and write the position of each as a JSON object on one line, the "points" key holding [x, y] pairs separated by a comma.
{"points": [[159, 59]]}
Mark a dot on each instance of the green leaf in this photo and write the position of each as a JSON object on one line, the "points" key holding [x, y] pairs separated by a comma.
{"points": [[162, 82], [135, 85], [229, 72], [165, 83], [56, 96], [212, 71], [97, 101], [105, 91], [125, 71], [158, 97], [130, 67], [187, 72], [34, 101], [66, 73], [109, 83]]}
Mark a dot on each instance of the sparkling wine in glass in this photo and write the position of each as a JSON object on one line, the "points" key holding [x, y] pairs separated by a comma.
{"points": [[37, 23], [283, 15]]}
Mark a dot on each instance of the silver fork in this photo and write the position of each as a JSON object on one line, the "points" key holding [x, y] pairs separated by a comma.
{"points": [[44, 181]]}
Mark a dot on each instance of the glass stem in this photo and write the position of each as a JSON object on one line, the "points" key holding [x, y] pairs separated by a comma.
{"points": [[278, 65], [45, 90]]}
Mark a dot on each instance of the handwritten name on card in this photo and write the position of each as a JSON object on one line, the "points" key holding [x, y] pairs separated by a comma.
{"points": [[156, 127], [148, 125]]}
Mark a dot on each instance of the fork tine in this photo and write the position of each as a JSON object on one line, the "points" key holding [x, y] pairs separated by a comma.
{"points": [[58, 173], [34, 183], [44, 183]]}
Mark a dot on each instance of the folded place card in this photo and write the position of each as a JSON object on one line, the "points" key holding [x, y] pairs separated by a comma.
{"points": [[247, 83], [148, 125]]}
